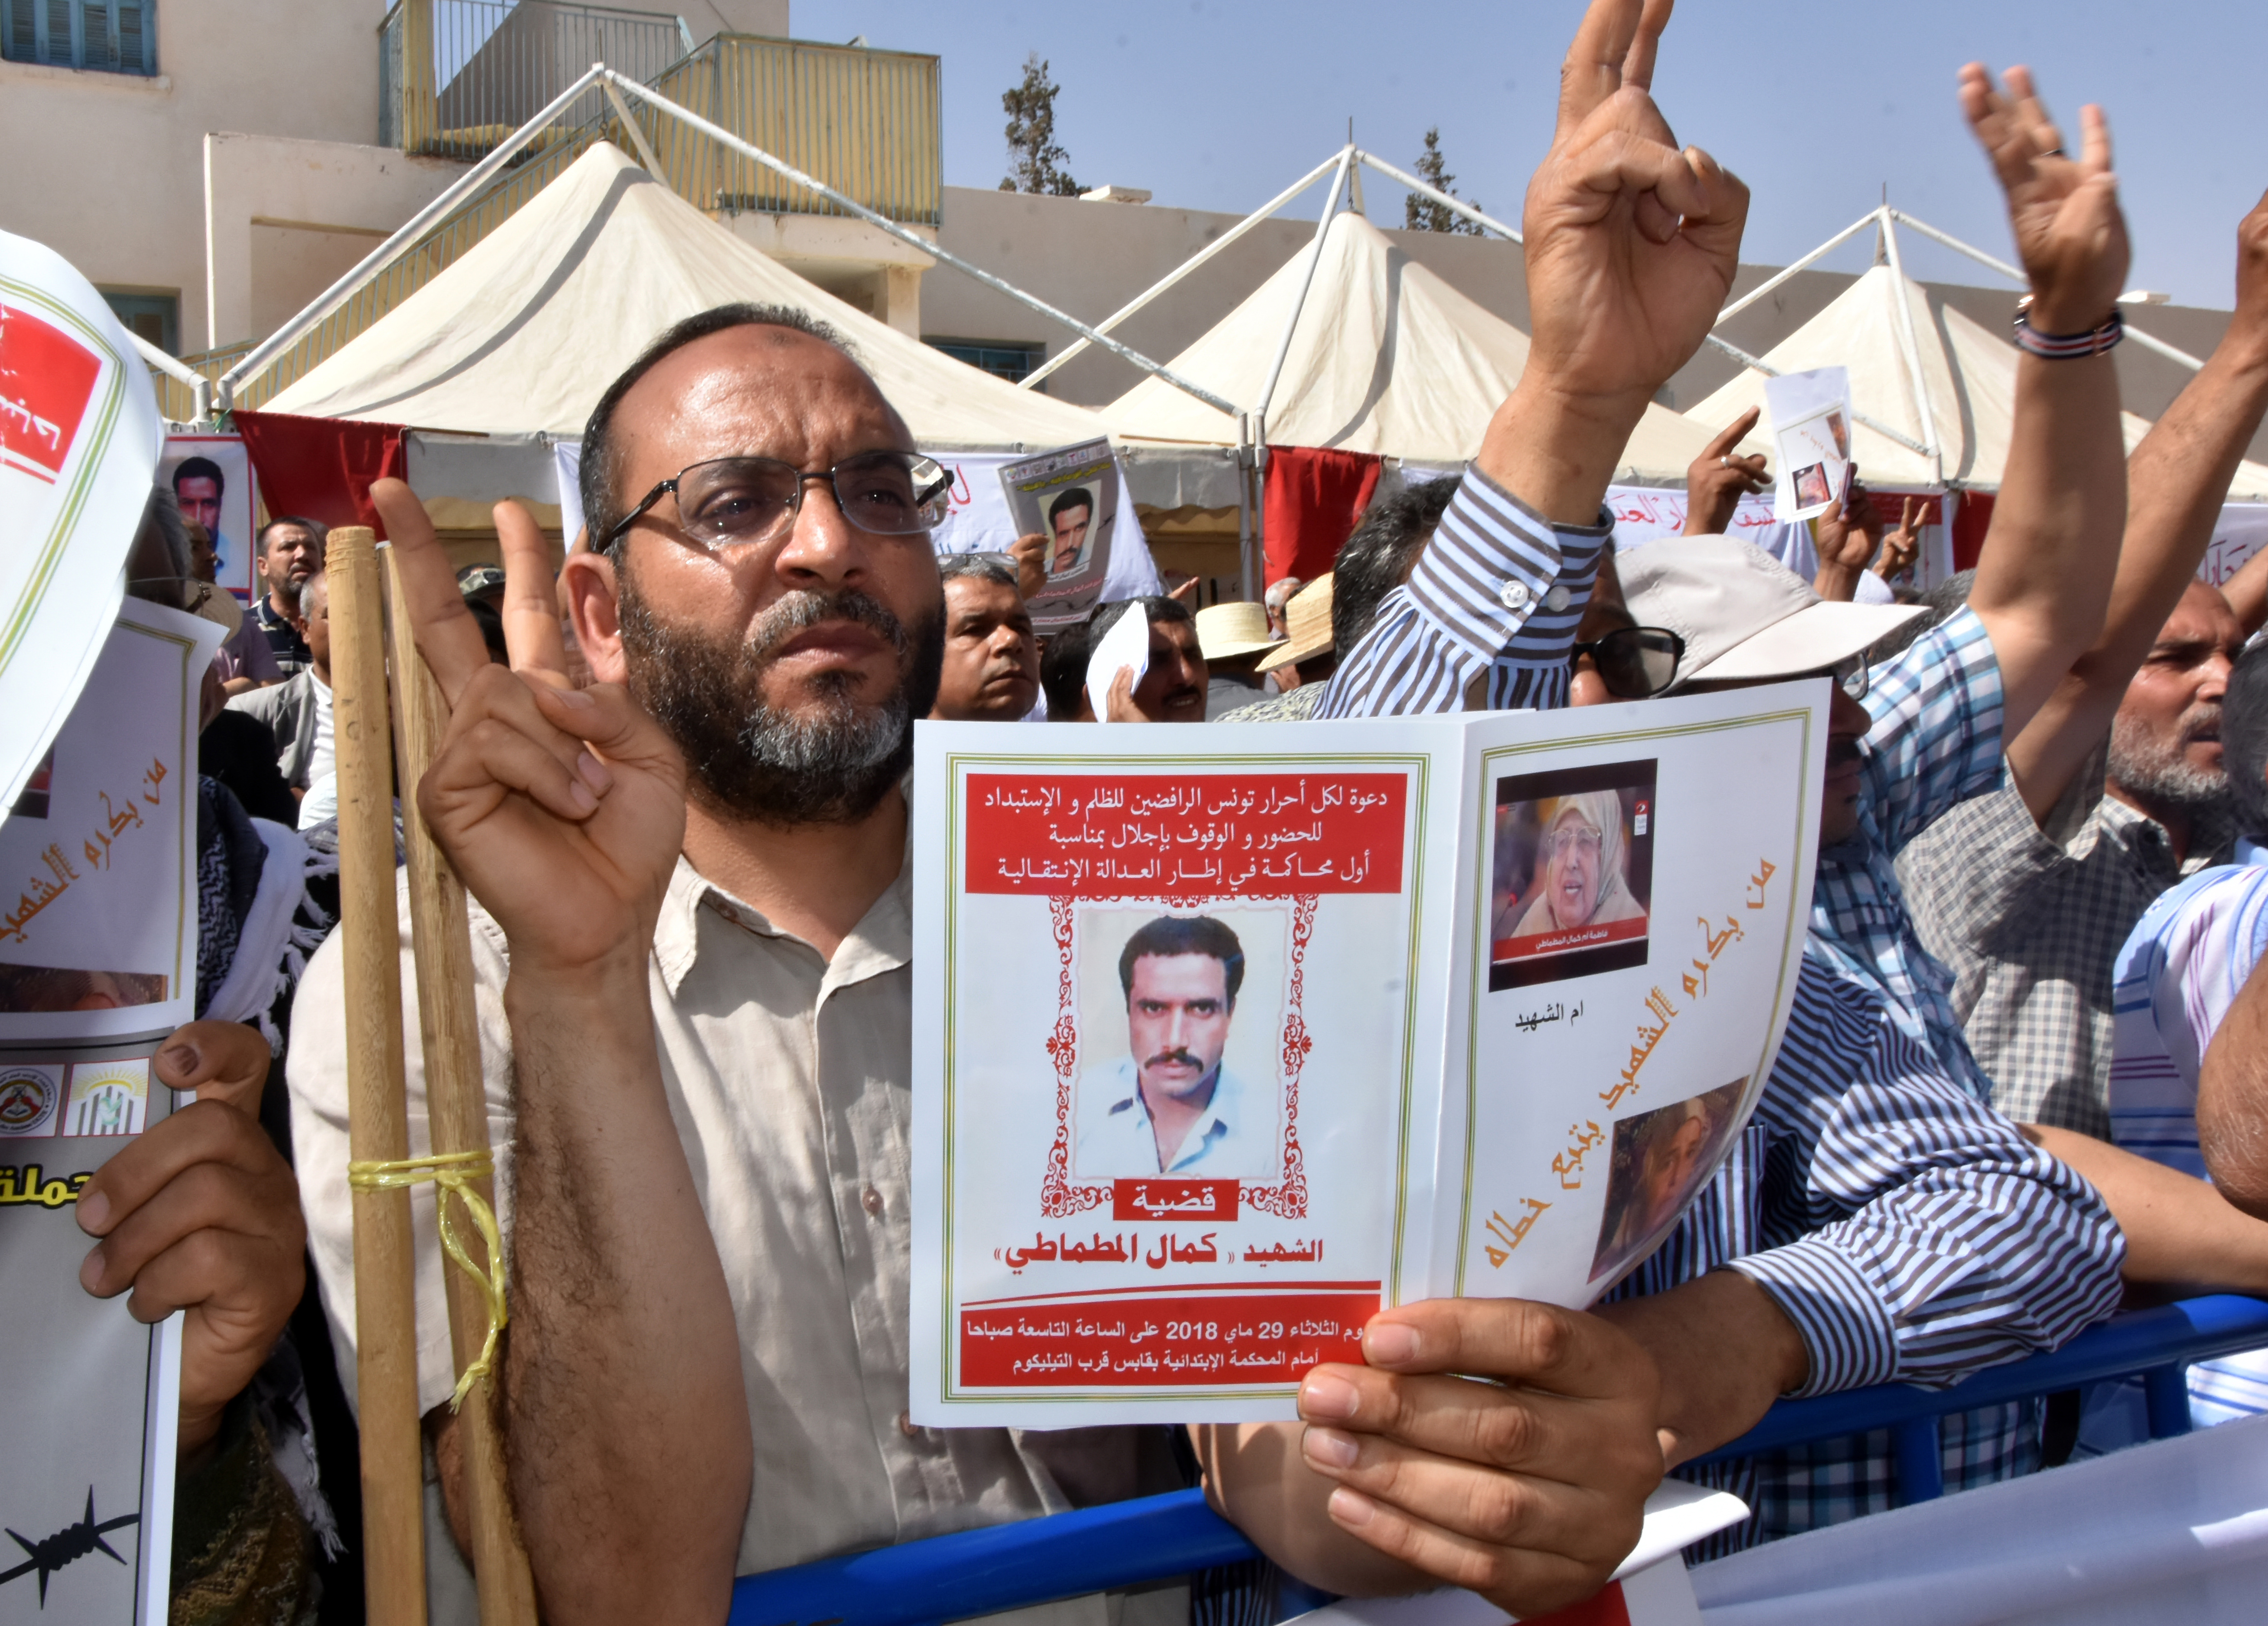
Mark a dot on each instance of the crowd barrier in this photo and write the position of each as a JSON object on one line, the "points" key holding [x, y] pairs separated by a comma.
{"points": [[1097, 1549]]}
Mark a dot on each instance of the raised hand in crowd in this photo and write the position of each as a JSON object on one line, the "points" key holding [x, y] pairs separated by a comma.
{"points": [[1631, 244], [2044, 571], [1030, 553], [1720, 477], [200, 1213], [1848, 535], [1903, 545]]}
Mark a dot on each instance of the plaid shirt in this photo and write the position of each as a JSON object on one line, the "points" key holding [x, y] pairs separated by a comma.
{"points": [[1906, 1229], [2030, 928]]}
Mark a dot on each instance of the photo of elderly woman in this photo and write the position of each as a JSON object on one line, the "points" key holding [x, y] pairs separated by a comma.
{"points": [[1573, 873]]}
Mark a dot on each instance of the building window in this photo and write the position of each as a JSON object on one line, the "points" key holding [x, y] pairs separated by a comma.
{"points": [[1001, 358], [106, 36], [153, 318]]}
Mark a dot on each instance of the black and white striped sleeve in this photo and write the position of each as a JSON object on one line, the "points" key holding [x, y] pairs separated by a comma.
{"points": [[1497, 594]]}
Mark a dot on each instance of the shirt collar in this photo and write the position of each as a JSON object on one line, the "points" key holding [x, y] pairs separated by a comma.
{"points": [[1223, 1109], [881, 941]]}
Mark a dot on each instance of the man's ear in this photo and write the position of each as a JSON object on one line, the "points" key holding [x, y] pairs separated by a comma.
{"points": [[590, 595]]}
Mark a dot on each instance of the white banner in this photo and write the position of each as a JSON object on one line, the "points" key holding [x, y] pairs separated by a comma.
{"points": [[79, 436]]}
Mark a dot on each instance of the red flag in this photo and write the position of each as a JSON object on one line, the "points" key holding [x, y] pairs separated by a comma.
{"points": [[322, 466]]}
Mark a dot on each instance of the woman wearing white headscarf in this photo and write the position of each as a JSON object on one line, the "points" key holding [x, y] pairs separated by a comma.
{"points": [[1584, 862]]}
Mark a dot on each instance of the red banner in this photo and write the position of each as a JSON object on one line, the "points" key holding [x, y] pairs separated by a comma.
{"points": [[1195, 835], [1173, 1198], [44, 388], [1202, 1340], [1562, 942]]}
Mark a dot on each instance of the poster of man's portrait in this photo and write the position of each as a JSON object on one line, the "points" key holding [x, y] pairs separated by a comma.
{"points": [[211, 479], [1660, 1160], [1574, 879], [1181, 1017]]}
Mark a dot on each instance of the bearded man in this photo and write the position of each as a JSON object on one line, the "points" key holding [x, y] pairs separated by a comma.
{"points": [[693, 990]]}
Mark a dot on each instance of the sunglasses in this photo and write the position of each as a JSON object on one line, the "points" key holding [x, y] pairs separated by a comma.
{"points": [[734, 502], [1851, 675], [1634, 661]]}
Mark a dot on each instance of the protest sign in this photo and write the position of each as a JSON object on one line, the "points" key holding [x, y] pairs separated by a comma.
{"points": [[1127, 645], [79, 434], [212, 480], [1225, 1041], [97, 965], [1071, 497], [1811, 416]]}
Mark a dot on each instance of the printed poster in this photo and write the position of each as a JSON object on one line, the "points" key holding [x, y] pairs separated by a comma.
{"points": [[1223, 1046], [212, 478], [79, 435], [1810, 414], [97, 965]]}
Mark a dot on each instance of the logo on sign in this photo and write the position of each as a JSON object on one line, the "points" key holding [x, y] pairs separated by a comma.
{"points": [[27, 1100], [47, 378]]}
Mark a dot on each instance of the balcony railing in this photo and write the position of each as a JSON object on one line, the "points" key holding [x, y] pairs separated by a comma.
{"points": [[865, 122], [456, 77]]}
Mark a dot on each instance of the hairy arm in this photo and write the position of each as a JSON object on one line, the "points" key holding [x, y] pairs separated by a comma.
{"points": [[2180, 1232], [2176, 482], [2232, 1106]]}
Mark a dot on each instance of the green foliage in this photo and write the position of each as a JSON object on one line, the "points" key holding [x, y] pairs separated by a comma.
{"points": [[1422, 214], [1035, 162]]}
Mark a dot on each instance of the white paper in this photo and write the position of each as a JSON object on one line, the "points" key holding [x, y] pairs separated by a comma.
{"points": [[1810, 419], [1126, 643], [1411, 1084], [79, 435]]}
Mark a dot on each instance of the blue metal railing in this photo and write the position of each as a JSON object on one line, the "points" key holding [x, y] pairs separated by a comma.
{"points": [[1095, 1549]]}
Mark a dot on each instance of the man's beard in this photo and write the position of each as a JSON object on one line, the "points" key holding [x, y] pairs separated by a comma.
{"points": [[747, 760], [2156, 771]]}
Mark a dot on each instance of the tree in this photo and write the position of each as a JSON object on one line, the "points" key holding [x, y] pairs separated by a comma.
{"points": [[1035, 162], [1422, 214]]}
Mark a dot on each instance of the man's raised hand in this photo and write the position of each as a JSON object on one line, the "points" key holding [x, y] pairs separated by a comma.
{"points": [[1630, 242], [1720, 477], [562, 809], [2065, 212]]}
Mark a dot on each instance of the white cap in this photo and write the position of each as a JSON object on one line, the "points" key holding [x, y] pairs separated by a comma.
{"points": [[1742, 614]]}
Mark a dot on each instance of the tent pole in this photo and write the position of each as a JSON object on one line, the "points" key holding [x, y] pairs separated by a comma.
{"points": [[1307, 281], [264, 354], [1912, 348], [1872, 218], [1265, 211], [748, 149], [636, 134], [1248, 574], [1456, 204], [1757, 364]]}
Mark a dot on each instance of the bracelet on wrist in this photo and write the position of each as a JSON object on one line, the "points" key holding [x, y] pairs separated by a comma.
{"points": [[2067, 346]]}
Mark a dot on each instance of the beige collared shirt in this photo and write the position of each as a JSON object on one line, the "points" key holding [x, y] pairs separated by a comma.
{"points": [[788, 1077]]}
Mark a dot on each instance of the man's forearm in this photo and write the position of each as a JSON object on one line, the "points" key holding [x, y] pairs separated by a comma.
{"points": [[1726, 1353], [630, 1449], [2043, 578], [2180, 1232], [1558, 453], [2233, 1100]]}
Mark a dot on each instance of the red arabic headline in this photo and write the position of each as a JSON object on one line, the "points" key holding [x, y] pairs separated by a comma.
{"points": [[1197, 834], [1166, 1341], [1562, 942]]}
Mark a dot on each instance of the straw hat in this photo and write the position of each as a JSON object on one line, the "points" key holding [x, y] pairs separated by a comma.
{"points": [[1226, 631], [218, 605], [1308, 618]]}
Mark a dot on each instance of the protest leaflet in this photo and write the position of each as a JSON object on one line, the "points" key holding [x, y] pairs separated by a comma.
{"points": [[1810, 418], [1225, 1039], [1070, 497], [97, 965]]}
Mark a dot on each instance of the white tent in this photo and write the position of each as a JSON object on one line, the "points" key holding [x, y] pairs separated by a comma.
{"points": [[1968, 379], [1387, 358], [524, 332]]}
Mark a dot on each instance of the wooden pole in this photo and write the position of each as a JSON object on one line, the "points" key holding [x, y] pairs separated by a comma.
{"points": [[457, 1109], [378, 1116]]}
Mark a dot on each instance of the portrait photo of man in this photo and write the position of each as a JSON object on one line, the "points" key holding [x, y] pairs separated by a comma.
{"points": [[199, 487], [1069, 517], [1661, 1159], [1171, 1104]]}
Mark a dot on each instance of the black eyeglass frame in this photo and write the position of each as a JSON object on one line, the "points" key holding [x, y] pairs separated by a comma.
{"points": [[926, 496], [1592, 648]]}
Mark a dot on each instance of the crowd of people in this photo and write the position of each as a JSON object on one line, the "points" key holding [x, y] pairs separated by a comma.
{"points": [[674, 782]]}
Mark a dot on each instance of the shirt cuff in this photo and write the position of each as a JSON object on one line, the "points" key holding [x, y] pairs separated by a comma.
{"points": [[1491, 565], [1846, 1328]]}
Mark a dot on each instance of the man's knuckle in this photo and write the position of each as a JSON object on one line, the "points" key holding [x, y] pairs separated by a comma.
{"points": [[1506, 1432]]}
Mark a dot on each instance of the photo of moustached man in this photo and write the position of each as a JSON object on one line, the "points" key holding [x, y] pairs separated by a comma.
{"points": [[1171, 1106], [1069, 518]]}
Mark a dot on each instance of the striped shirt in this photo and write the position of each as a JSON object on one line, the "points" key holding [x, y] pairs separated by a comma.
{"points": [[1909, 1231], [2179, 973]]}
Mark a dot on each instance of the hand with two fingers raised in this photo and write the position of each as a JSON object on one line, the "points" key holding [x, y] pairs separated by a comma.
{"points": [[562, 809], [201, 1213], [1524, 1479]]}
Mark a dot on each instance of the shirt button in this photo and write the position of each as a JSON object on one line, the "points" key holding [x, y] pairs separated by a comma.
{"points": [[1557, 599], [1513, 594], [871, 1201], [908, 1427]]}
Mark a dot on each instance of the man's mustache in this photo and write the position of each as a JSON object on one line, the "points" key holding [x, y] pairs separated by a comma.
{"points": [[1181, 1056], [799, 611], [1842, 750]]}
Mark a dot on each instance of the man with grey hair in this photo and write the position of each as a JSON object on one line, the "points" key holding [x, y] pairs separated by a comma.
{"points": [[992, 666]]}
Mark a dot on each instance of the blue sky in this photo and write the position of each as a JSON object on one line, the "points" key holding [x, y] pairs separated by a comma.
{"points": [[1818, 104]]}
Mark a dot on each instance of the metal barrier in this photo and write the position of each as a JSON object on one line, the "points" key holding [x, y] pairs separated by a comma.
{"points": [[1102, 1548]]}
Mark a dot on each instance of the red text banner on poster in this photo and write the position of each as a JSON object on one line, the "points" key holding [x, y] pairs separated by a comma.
{"points": [[1205, 835], [1560, 942], [1173, 1198], [44, 390], [1196, 1340]]}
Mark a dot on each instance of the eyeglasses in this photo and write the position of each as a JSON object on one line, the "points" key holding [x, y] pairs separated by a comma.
{"points": [[732, 502], [1582, 837], [1634, 661], [1851, 675]]}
